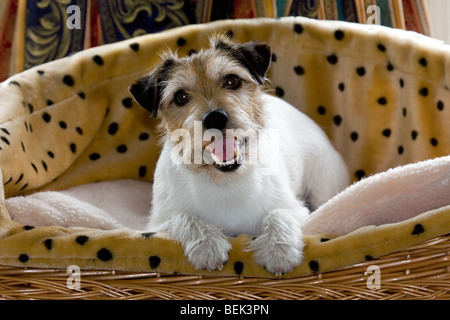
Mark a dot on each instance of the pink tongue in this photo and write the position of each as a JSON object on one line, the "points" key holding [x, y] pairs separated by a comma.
{"points": [[223, 149]]}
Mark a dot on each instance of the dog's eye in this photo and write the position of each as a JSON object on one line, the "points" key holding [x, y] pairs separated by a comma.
{"points": [[232, 82], [181, 98]]}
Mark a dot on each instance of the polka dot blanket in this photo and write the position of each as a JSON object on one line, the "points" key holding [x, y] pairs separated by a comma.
{"points": [[77, 153]]}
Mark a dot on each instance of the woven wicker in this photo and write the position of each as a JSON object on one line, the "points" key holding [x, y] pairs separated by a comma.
{"points": [[420, 272]]}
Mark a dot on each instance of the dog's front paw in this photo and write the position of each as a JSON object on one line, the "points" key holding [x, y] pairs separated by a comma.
{"points": [[277, 257], [279, 247], [208, 254]]}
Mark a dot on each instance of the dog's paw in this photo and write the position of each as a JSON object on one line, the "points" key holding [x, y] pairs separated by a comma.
{"points": [[278, 258], [208, 254]]}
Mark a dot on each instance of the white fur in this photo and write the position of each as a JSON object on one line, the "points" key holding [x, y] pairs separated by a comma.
{"points": [[200, 212]]}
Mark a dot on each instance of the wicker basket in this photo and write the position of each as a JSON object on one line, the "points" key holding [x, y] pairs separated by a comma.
{"points": [[420, 272]]}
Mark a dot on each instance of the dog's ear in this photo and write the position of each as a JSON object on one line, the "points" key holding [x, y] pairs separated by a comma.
{"points": [[147, 89], [254, 55]]}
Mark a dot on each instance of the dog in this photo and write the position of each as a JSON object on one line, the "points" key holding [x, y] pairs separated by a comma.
{"points": [[212, 179]]}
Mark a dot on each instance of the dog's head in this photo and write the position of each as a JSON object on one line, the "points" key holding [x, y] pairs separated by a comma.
{"points": [[210, 99]]}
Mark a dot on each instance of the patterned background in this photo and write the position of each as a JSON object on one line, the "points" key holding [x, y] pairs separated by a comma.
{"points": [[33, 32]]}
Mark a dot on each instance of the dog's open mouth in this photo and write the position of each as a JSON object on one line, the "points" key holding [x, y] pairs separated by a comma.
{"points": [[225, 154]]}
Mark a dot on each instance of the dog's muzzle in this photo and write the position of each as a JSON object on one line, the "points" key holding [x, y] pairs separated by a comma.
{"points": [[224, 152]]}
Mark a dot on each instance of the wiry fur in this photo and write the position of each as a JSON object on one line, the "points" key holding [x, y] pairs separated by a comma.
{"points": [[200, 205]]}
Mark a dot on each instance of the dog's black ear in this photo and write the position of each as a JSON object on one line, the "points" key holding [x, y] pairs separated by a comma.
{"points": [[256, 57], [147, 89]]}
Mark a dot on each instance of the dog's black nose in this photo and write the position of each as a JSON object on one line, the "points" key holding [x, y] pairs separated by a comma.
{"points": [[216, 119]]}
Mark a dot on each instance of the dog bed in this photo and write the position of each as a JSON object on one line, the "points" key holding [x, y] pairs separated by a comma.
{"points": [[76, 146]]}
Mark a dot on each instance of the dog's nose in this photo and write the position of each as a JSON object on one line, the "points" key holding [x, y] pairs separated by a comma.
{"points": [[216, 119]]}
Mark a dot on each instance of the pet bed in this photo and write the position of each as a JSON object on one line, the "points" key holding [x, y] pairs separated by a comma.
{"points": [[78, 154]]}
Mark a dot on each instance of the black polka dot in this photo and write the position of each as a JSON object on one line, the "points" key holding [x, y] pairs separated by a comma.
{"points": [[34, 167], [24, 258], [381, 47], [382, 101], [5, 140], [47, 118], [148, 234], [299, 70], [414, 134], [273, 58], [40, 72], [360, 174], [332, 58], [94, 156], [390, 66], [324, 239], [20, 178], [5, 131], [298, 28], [82, 95], [181, 42], [238, 267], [418, 229], [44, 165], [402, 83], [122, 148], [337, 120], [423, 62], [48, 243], [79, 130], [104, 254], [144, 136], [314, 266], [279, 92], [401, 150], [142, 171], [361, 71], [51, 154], [339, 34], [440, 105], [49, 102], [127, 102], [82, 239], [354, 136], [321, 110], [404, 112], [68, 80], [387, 133], [434, 142], [73, 147], [423, 92], [368, 257], [230, 34], [154, 262], [30, 108], [62, 125], [98, 60], [28, 227], [134, 46], [341, 86], [113, 127]]}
